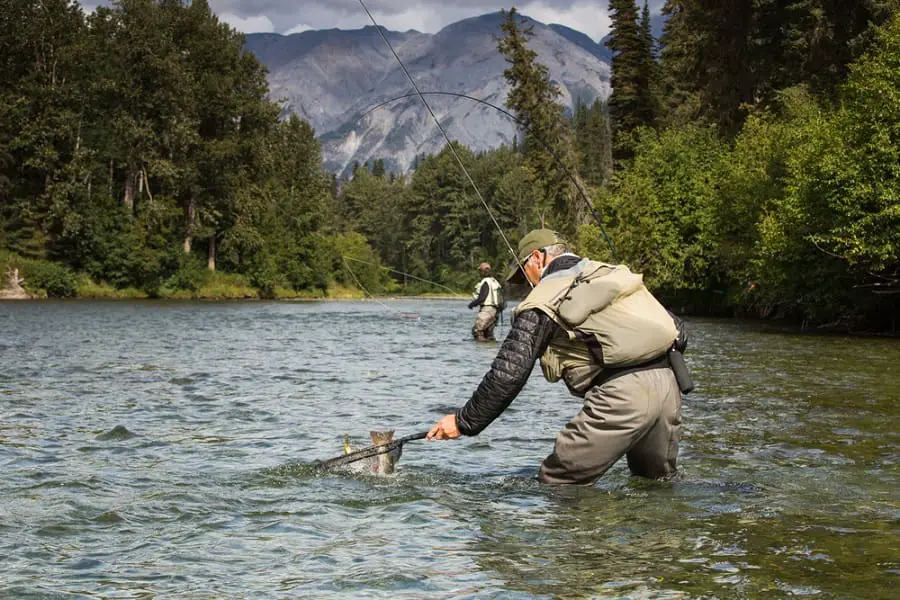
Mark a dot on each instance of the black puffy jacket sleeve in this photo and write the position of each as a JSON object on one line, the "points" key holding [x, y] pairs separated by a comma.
{"points": [[530, 335], [482, 295]]}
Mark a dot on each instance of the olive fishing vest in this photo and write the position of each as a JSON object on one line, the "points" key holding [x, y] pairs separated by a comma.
{"points": [[607, 319], [493, 297]]}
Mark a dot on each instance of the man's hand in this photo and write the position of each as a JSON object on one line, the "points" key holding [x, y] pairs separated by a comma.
{"points": [[445, 429]]}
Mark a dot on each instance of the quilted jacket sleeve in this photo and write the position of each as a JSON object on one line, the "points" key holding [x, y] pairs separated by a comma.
{"points": [[482, 295], [530, 334]]}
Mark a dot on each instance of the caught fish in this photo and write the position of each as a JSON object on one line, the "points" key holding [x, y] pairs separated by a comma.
{"points": [[381, 464]]}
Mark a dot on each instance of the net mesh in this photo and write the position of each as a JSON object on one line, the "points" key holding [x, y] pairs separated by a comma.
{"points": [[369, 451]]}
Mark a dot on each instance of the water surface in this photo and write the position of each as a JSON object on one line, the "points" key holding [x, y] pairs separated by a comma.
{"points": [[160, 450]]}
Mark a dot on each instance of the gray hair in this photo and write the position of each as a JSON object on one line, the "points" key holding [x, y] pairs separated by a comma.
{"points": [[556, 250]]}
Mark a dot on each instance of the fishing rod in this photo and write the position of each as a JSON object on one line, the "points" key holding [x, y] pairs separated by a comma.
{"points": [[594, 212], [369, 451], [446, 137], [454, 292]]}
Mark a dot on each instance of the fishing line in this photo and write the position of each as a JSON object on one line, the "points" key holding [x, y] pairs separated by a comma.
{"points": [[545, 144], [361, 286], [405, 315], [454, 292], [446, 137]]}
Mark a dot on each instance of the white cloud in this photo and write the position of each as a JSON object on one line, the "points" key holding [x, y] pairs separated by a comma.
{"points": [[591, 18], [299, 28], [253, 24]]}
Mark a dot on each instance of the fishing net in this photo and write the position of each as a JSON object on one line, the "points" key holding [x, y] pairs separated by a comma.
{"points": [[369, 451]]}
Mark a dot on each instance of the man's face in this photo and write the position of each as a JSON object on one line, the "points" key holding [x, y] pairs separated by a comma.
{"points": [[533, 266]]}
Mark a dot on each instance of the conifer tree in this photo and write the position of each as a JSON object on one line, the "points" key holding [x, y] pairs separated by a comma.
{"points": [[719, 58], [631, 104], [547, 137], [593, 143]]}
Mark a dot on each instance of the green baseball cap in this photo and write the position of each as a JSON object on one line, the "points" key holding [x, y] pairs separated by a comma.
{"points": [[533, 240]]}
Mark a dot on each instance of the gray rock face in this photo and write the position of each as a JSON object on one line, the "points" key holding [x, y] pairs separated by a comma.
{"points": [[332, 78]]}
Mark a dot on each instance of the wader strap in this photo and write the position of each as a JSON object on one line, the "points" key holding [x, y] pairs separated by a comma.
{"points": [[608, 374]]}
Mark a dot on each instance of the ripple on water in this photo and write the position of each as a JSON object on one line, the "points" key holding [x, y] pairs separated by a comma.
{"points": [[787, 487]]}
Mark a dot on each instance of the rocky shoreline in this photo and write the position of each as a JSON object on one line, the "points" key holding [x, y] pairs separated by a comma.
{"points": [[14, 289]]}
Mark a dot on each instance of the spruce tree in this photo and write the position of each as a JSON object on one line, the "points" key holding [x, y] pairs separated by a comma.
{"points": [[631, 104], [593, 143], [547, 137]]}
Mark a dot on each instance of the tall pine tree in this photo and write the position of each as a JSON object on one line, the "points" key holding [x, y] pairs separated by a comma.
{"points": [[547, 138], [631, 103]]}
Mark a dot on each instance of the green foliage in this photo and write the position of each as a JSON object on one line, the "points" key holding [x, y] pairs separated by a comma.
{"points": [[138, 148], [664, 207], [54, 279], [367, 274], [191, 274], [721, 58], [799, 217], [750, 183], [840, 213], [857, 178], [264, 276], [593, 141]]}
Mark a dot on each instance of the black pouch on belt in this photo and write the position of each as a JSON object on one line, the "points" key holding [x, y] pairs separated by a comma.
{"points": [[680, 369]]}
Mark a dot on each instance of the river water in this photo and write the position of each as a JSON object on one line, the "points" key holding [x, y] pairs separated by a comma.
{"points": [[160, 450]]}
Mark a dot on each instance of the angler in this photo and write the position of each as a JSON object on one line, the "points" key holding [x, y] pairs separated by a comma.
{"points": [[597, 328], [488, 297]]}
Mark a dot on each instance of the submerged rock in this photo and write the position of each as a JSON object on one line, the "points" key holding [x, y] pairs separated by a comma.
{"points": [[119, 432]]}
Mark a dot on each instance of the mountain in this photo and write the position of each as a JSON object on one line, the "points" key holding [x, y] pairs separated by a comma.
{"points": [[332, 77], [581, 39]]}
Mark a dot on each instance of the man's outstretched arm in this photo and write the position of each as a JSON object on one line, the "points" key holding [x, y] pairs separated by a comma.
{"points": [[531, 332]]}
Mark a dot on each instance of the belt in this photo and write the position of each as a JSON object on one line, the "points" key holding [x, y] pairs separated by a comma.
{"points": [[607, 374]]}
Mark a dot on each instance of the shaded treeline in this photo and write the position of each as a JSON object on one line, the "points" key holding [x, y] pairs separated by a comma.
{"points": [[137, 146], [746, 163]]}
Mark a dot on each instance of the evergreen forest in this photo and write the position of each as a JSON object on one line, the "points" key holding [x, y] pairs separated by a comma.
{"points": [[747, 163]]}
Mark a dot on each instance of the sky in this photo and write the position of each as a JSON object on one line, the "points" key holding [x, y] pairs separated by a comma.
{"points": [[428, 16]]}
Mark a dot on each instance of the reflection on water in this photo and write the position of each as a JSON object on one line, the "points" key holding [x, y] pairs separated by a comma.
{"points": [[162, 449]]}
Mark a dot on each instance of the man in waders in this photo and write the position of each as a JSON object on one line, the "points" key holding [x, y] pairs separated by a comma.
{"points": [[596, 327], [487, 298]]}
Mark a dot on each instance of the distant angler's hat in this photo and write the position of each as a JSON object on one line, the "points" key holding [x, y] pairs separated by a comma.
{"points": [[533, 240]]}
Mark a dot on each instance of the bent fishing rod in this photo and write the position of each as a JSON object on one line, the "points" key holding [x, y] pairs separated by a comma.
{"points": [[446, 137], [582, 194], [437, 122]]}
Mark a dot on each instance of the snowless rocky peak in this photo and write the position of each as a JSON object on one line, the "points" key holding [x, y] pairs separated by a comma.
{"points": [[333, 77]]}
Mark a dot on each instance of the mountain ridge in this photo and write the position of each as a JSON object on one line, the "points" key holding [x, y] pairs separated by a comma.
{"points": [[331, 77]]}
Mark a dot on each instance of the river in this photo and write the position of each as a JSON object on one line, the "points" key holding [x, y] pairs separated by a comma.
{"points": [[161, 450]]}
